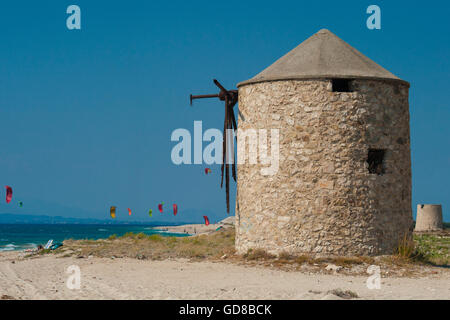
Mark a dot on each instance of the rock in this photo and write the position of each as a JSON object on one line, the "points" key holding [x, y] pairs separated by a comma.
{"points": [[315, 291], [343, 294], [333, 267], [330, 296], [224, 256]]}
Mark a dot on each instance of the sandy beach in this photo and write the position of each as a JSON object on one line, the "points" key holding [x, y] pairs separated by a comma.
{"points": [[198, 229], [45, 277]]}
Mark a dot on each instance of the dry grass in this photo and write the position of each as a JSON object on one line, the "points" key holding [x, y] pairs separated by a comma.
{"points": [[406, 248], [409, 257], [258, 254], [154, 247], [289, 262]]}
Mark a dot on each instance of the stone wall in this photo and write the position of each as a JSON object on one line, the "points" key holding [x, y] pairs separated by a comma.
{"points": [[429, 218], [323, 200]]}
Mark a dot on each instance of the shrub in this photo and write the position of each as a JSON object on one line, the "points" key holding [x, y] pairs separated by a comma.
{"points": [[258, 254], [128, 235], [406, 248], [285, 256], [155, 237]]}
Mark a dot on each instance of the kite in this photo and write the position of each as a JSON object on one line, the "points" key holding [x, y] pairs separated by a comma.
{"points": [[207, 170], [175, 209], [8, 194], [113, 212], [150, 212], [129, 211], [206, 220], [160, 207], [20, 204]]}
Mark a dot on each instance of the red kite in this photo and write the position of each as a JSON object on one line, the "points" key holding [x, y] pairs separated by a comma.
{"points": [[207, 170], [175, 209], [160, 207], [8, 194], [206, 220], [129, 211]]}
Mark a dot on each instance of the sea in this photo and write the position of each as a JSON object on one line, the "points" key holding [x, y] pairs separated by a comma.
{"points": [[28, 236]]}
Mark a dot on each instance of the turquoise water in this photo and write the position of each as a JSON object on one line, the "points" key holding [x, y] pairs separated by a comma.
{"points": [[25, 236]]}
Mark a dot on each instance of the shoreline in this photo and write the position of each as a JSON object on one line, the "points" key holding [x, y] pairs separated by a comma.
{"points": [[198, 229], [19, 245]]}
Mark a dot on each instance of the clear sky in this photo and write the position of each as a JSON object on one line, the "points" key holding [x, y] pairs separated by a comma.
{"points": [[86, 115]]}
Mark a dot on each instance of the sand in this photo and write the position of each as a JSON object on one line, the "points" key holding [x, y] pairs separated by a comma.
{"points": [[44, 277], [198, 229]]}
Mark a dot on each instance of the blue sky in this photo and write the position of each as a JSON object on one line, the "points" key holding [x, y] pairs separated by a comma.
{"points": [[86, 115]]}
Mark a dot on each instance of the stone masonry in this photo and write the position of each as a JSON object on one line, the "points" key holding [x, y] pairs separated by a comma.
{"points": [[324, 200]]}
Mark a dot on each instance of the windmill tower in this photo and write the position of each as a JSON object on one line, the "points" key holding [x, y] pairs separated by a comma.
{"points": [[343, 186]]}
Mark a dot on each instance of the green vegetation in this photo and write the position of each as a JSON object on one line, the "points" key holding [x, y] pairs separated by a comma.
{"points": [[433, 249], [423, 248], [44, 251]]}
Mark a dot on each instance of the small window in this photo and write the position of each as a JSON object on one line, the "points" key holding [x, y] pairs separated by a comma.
{"points": [[341, 85], [375, 160]]}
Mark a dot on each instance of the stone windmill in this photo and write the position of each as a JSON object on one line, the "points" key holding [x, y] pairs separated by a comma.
{"points": [[344, 181]]}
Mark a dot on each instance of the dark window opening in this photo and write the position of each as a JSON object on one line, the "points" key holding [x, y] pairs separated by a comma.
{"points": [[341, 85], [375, 160], [396, 89]]}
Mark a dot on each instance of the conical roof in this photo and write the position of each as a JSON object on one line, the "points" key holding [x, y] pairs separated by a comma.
{"points": [[322, 56]]}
